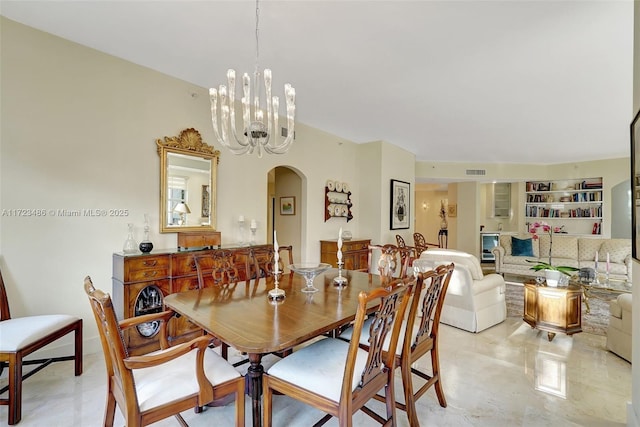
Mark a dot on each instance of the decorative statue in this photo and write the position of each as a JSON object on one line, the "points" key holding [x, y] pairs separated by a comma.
{"points": [[443, 216]]}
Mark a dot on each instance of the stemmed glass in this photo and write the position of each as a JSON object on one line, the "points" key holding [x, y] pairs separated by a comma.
{"points": [[309, 270]]}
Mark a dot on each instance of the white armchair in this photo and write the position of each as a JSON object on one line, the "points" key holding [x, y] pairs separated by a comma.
{"points": [[620, 322], [474, 302]]}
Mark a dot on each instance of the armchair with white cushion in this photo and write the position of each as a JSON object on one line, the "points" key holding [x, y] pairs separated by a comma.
{"points": [[474, 301]]}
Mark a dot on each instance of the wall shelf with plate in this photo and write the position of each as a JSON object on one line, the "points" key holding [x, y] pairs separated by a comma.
{"points": [[575, 204], [337, 201]]}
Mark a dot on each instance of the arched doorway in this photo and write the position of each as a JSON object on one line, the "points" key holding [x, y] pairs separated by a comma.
{"points": [[286, 208]]}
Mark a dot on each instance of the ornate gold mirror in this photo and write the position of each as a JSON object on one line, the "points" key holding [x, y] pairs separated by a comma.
{"points": [[188, 175]]}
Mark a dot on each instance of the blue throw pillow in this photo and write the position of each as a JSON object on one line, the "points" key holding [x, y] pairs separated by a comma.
{"points": [[521, 247]]}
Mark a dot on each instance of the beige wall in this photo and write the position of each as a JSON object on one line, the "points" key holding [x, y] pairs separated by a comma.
{"points": [[78, 131]]}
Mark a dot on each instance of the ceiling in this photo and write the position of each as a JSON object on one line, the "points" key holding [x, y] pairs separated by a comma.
{"points": [[456, 81]]}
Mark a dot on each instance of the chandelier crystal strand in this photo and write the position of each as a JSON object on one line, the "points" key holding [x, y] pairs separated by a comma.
{"points": [[259, 133]]}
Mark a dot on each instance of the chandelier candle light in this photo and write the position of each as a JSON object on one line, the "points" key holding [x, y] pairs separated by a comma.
{"points": [[339, 280], [258, 133], [276, 292]]}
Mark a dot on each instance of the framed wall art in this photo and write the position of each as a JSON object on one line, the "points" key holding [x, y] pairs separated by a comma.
{"points": [[452, 210], [288, 205], [400, 204], [635, 182]]}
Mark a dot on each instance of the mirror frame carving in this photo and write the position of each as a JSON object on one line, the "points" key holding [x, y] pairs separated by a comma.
{"points": [[190, 143]]}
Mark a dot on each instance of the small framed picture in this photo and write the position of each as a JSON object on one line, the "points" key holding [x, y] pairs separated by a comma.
{"points": [[288, 205], [400, 204], [452, 210]]}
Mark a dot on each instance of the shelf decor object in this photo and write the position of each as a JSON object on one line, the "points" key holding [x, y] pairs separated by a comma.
{"points": [[400, 204], [337, 201], [635, 186], [258, 132]]}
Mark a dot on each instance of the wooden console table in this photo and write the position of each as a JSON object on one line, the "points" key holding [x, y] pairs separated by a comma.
{"points": [[355, 253], [553, 309]]}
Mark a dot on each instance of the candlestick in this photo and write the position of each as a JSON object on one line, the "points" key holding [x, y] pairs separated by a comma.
{"points": [[340, 245], [596, 262], [608, 263], [276, 292], [339, 280]]}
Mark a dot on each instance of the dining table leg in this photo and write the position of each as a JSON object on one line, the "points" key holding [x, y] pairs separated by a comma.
{"points": [[254, 386]]}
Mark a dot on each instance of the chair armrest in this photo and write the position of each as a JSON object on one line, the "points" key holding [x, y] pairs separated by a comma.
{"points": [[624, 301], [489, 282], [135, 321], [164, 356], [162, 316], [498, 252]]}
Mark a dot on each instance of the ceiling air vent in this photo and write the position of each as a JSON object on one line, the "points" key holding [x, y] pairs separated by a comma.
{"points": [[475, 172]]}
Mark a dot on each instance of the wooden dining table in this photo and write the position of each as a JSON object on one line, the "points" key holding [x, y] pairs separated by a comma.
{"points": [[244, 317]]}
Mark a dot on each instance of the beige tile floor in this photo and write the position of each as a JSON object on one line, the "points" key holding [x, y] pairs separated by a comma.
{"points": [[508, 375]]}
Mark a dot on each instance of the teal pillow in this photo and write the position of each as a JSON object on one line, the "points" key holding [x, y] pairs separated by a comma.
{"points": [[521, 247]]}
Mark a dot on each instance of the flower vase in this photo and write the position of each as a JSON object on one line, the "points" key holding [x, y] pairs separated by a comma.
{"points": [[552, 277]]}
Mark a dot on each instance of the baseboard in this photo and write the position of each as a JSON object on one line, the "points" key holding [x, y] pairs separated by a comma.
{"points": [[632, 419]]}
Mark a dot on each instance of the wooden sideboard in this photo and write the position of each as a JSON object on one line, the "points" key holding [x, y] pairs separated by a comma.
{"points": [[354, 253], [141, 281], [553, 309]]}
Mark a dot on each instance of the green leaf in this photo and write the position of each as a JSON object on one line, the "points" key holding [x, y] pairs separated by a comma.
{"points": [[565, 269]]}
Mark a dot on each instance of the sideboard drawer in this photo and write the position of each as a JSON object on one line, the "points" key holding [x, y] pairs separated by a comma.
{"points": [[144, 263], [183, 265], [355, 246], [149, 274]]}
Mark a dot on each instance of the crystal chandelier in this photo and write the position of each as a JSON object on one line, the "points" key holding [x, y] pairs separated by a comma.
{"points": [[257, 133]]}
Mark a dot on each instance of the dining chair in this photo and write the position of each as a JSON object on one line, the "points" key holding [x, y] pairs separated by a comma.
{"points": [[218, 270], [407, 253], [419, 336], [154, 386], [388, 261], [421, 244], [217, 267], [338, 377], [20, 337], [260, 261]]}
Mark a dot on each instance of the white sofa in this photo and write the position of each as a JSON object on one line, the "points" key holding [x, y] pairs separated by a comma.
{"points": [[619, 331], [474, 302], [566, 250]]}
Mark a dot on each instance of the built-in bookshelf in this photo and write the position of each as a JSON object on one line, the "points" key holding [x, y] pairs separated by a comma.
{"points": [[573, 204]]}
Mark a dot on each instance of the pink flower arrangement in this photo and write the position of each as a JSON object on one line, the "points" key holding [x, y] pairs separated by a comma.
{"points": [[546, 228]]}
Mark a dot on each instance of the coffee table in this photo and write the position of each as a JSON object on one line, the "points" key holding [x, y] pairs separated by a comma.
{"points": [[553, 309], [590, 290]]}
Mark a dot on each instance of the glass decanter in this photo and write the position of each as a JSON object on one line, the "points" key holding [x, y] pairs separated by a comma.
{"points": [[146, 245], [130, 245]]}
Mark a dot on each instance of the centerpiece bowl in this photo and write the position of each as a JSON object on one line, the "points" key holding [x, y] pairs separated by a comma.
{"points": [[309, 270]]}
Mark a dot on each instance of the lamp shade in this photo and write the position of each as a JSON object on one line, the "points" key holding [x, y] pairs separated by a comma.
{"points": [[182, 208]]}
